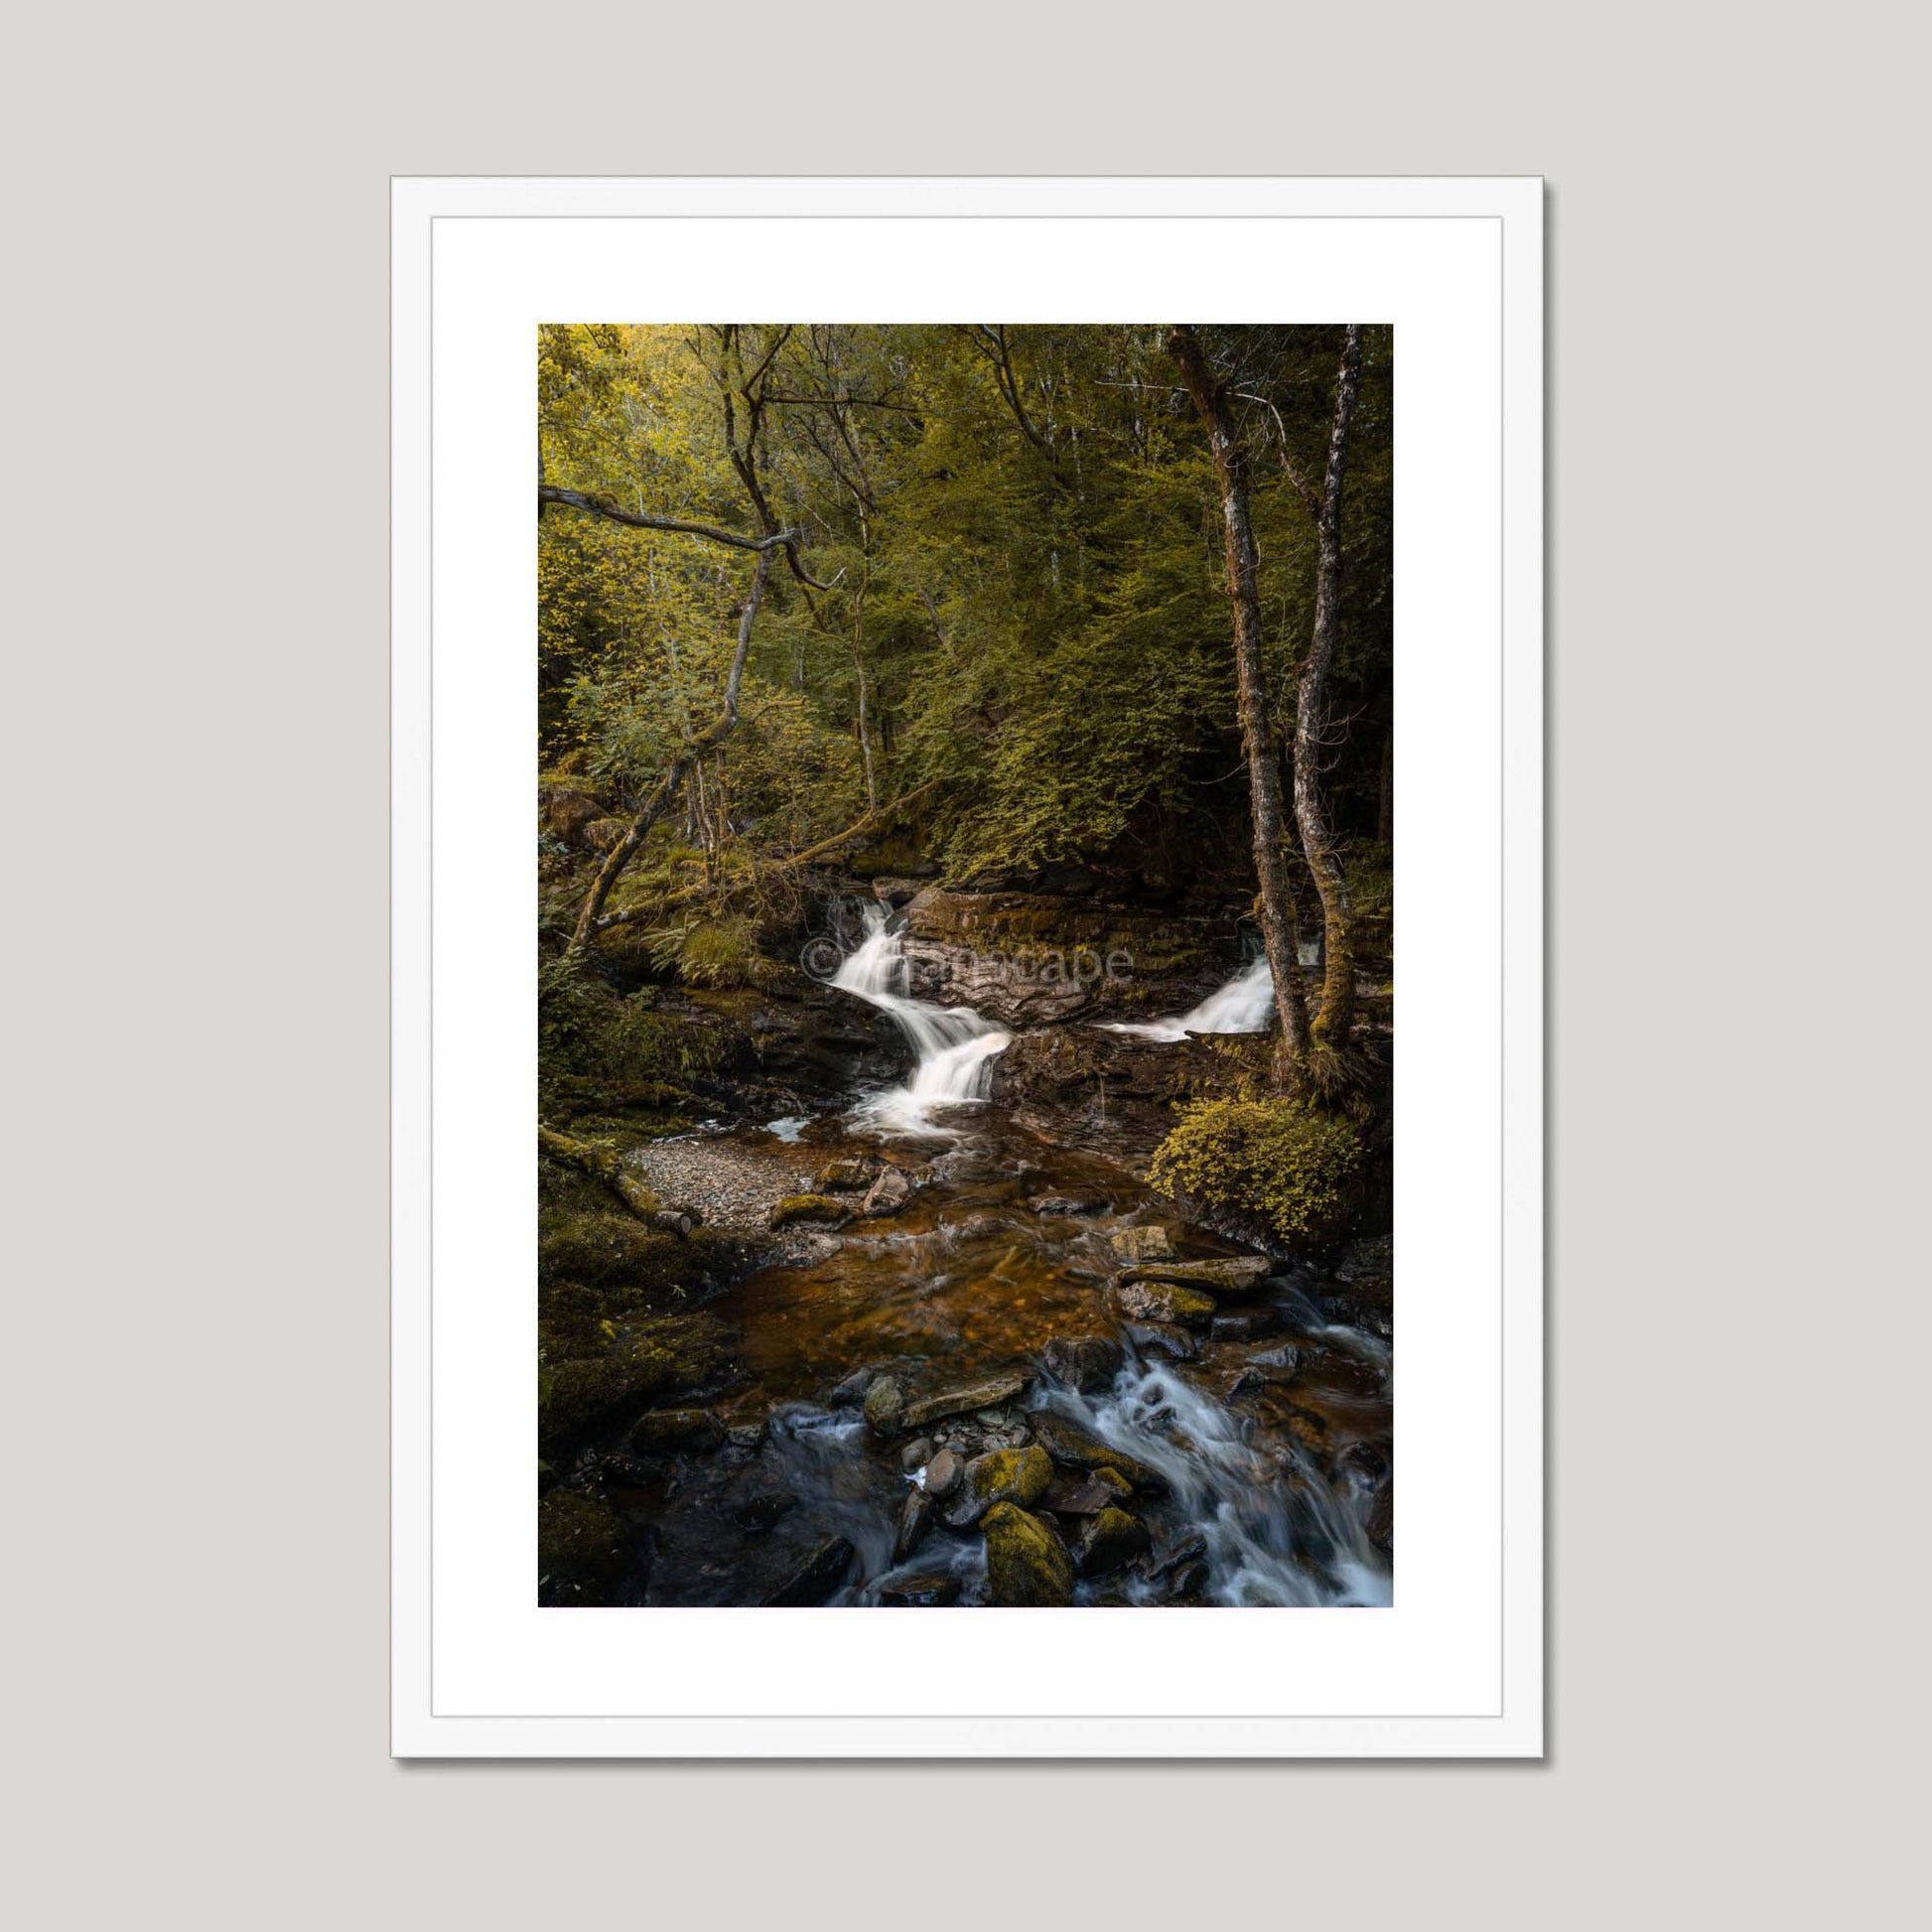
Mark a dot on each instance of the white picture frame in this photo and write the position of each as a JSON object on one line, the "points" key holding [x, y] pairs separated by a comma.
{"points": [[1454, 1669]]}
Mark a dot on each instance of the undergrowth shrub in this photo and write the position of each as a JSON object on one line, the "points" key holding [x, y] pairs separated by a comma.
{"points": [[713, 952], [1297, 1171]]}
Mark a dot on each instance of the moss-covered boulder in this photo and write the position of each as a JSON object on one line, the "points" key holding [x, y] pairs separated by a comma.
{"points": [[844, 1177], [1027, 1567], [667, 1432], [1013, 1475], [671, 1356], [620, 1255], [1167, 1301], [1230, 1275], [584, 1550], [1109, 1540], [821, 1209], [885, 1406]]}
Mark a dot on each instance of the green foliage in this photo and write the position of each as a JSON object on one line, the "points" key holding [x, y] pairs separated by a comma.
{"points": [[601, 1052], [713, 952], [1297, 1170], [1019, 541]]}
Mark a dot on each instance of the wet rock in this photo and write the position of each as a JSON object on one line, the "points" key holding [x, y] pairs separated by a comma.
{"points": [[1167, 1301], [913, 1522], [1088, 1363], [628, 1471], [1191, 1546], [665, 1432], [1142, 1244], [822, 1572], [1074, 1446], [931, 1592], [885, 1406], [945, 1473], [962, 1402], [1249, 1381], [1000, 1476], [852, 1389], [1109, 1540], [1250, 1324], [1187, 1583], [1235, 1274], [760, 1512], [887, 1194], [844, 1177], [1088, 1496], [916, 1454], [1163, 1338], [1284, 1358], [747, 1436], [809, 1207], [1025, 1565]]}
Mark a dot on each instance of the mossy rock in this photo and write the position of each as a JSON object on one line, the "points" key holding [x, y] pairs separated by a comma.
{"points": [[885, 1405], [617, 1251], [665, 1432], [810, 1207], [654, 1359], [1111, 1540], [584, 1550], [1027, 1567], [572, 1323], [1167, 1301], [1019, 1476]]}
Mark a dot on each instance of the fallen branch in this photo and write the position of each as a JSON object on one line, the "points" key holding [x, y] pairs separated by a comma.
{"points": [[600, 1161]]}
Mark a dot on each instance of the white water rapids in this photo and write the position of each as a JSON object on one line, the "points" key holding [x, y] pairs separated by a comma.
{"points": [[955, 1047], [1242, 1006]]}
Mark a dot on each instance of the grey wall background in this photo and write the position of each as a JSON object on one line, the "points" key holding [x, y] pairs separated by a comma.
{"points": [[196, 360]]}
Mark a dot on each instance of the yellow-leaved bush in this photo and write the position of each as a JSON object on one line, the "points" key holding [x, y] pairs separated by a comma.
{"points": [[1297, 1171]]}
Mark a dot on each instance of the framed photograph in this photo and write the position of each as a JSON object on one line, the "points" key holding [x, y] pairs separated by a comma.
{"points": [[902, 846]]}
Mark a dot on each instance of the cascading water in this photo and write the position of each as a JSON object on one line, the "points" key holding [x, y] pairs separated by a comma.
{"points": [[955, 1044], [1275, 1531], [1269, 1436], [1242, 1006]]}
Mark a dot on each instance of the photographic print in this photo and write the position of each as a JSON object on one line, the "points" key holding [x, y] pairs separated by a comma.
{"points": [[966, 994]]}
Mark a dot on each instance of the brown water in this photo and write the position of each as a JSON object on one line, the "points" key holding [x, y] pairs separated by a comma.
{"points": [[1273, 1479]]}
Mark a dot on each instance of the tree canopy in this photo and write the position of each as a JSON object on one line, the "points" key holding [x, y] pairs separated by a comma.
{"points": [[996, 588]]}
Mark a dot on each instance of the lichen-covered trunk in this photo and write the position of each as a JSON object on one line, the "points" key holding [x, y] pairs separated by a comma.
{"points": [[1336, 1013], [600, 1161], [1273, 900]]}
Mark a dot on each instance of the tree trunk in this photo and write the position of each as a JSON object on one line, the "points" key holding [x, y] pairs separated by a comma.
{"points": [[655, 805], [1338, 1011], [1257, 731]]}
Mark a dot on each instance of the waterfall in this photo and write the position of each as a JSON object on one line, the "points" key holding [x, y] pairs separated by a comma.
{"points": [[1242, 1006], [954, 1046]]}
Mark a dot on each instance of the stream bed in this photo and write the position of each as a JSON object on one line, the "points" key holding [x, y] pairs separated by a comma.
{"points": [[1240, 1456]]}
